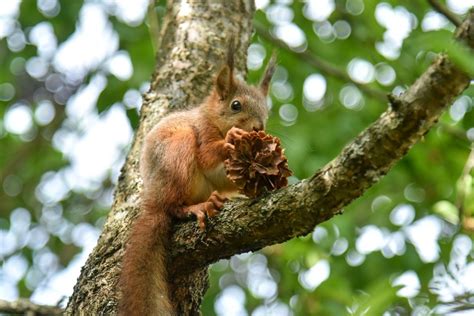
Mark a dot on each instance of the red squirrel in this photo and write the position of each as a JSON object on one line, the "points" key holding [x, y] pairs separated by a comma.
{"points": [[182, 167]]}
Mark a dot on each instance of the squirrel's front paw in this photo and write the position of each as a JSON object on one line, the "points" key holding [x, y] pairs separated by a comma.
{"points": [[233, 134]]}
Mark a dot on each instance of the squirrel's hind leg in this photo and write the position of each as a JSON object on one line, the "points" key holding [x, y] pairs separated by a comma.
{"points": [[210, 208]]}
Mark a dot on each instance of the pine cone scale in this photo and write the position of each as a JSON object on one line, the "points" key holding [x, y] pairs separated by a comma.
{"points": [[257, 164]]}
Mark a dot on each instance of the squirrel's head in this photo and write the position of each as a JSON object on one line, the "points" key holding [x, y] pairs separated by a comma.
{"points": [[240, 104]]}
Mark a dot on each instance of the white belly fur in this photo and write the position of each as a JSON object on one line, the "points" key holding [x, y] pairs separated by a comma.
{"points": [[219, 181], [212, 180]]}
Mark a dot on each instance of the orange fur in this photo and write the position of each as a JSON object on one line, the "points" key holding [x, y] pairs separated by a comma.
{"points": [[182, 171]]}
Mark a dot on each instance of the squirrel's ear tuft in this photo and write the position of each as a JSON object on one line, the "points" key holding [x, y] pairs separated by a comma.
{"points": [[267, 76], [231, 54], [225, 78], [225, 82]]}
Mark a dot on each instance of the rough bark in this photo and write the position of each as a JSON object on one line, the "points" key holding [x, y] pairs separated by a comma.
{"points": [[194, 38]]}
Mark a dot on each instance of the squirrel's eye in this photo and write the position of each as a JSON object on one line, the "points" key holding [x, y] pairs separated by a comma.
{"points": [[236, 106]]}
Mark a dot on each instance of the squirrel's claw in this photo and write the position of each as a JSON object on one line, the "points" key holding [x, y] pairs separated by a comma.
{"points": [[233, 134], [229, 147], [210, 208], [214, 203]]}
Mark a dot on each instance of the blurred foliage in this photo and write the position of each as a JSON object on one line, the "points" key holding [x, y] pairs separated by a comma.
{"points": [[405, 246]]}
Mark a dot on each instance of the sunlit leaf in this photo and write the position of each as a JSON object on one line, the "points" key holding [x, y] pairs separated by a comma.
{"points": [[448, 211]]}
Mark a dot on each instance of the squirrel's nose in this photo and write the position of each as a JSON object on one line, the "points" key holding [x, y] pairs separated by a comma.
{"points": [[259, 126]]}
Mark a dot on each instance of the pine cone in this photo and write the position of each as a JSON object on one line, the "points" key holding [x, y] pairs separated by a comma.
{"points": [[257, 164]]}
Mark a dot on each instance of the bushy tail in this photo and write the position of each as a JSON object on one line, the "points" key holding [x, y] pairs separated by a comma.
{"points": [[144, 274]]}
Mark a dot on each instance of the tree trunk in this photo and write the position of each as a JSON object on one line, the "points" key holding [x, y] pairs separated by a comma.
{"points": [[194, 39]]}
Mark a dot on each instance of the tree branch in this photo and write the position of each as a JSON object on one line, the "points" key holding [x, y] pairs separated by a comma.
{"points": [[324, 66], [28, 308], [252, 224], [440, 8]]}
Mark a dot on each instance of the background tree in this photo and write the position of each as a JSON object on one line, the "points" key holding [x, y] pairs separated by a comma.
{"points": [[338, 60]]}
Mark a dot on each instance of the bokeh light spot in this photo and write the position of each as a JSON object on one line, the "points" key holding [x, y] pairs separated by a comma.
{"points": [[18, 119]]}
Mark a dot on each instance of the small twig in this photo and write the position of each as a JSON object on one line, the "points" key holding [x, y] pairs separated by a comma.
{"points": [[26, 307], [154, 26], [324, 66], [394, 101], [440, 8]]}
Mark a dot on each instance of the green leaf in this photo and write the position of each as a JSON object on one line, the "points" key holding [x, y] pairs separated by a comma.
{"points": [[447, 210], [466, 183]]}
